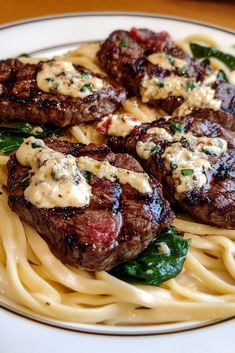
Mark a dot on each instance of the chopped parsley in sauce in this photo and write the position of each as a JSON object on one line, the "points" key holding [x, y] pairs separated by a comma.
{"points": [[124, 42], [177, 127]]}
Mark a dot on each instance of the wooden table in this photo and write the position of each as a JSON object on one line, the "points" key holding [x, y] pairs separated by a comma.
{"points": [[217, 12]]}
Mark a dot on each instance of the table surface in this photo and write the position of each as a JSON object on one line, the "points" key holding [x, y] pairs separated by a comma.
{"points": [[221, 12]]}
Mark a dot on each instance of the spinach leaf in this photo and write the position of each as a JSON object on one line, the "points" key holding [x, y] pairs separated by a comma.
{"points": [[25, 129], [12, 134], [200, 51], [162, 260], [9, 143]]}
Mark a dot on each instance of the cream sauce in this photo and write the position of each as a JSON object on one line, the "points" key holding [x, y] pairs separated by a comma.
{"points": [[145, 149], [161, 133], [187, 164], [166, 61], [62, 77], [56, 180], [195, 94], [139, 181], [117, 124]]}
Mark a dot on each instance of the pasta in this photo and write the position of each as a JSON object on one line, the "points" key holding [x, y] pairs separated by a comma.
{"points": [[33, 277]]}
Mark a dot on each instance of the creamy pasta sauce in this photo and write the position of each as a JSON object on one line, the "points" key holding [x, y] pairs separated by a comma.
{"points": [[62, 77]]}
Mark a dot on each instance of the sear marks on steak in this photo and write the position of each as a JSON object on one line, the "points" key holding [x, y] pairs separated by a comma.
{"points": [[218, 116], [214, 202], [153, 42], [128, 65], [116, 226], [122, 54], [21, 99], [226, 92]]}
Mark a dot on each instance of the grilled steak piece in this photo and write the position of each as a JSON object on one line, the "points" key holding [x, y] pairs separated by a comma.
{"points": [[121, 56], [218, 116], [226, 92], [117, 225], [128, 65], [212, 201], [22, 99], [153, 42]]}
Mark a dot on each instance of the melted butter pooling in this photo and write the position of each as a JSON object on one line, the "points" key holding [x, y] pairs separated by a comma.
{"points": [[62, 77]]}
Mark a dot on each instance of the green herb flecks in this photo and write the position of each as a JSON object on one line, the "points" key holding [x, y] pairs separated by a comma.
{"points": [[124, 42], [190, 86], [49, 79], [200, 52], [35, 145], [170, 59], [86, 88], [187, 172], [85, 74], [25, 182], [220, 143], [155, 149], [207, 151], [177, 126], [160, 83], [154, 266], [87, 175], [221, 76], [174, 165]]}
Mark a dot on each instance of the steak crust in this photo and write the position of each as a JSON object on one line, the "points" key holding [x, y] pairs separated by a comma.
{"points": [[214, 202], [21, 99], [128, 65], [117, 225]]}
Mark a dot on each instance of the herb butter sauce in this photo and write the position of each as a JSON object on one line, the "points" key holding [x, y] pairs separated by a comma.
{"points": [[56, 180], [195, 94], [186, 156], [139, 181], [166, 61], [62, 77], [117, 124]]}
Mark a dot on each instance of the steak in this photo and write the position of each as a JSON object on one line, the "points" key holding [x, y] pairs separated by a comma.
{"points": [[21, 98], [125, 59], [153, 42], [117, 225], [212, 203], [128, 65]]}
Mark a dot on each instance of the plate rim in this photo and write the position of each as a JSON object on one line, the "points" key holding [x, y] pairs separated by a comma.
{"points": [[58, 16], [57, 325]]}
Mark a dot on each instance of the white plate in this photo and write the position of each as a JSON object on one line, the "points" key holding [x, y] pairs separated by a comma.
{"points": [[53, 35]]}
